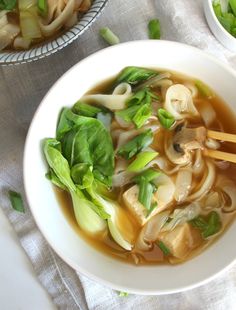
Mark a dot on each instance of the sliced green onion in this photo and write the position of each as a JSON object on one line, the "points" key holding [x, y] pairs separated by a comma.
{"points": [[136, 145], [43, 7], [109, 36], [16, 201], [164, 248], [123, 294], [141, 161], [214, 225], [142, 115], [203, 89], [166, 119], [134, 75], [154, 29], [85, 109], [145, 193], [149, 175]]}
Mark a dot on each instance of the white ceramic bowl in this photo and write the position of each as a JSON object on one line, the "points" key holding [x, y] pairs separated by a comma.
{"points": [[218, 30], [44, 205], [52, 46]]}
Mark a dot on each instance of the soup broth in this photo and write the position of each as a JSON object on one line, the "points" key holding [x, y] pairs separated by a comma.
{"points": [[180, 236]]}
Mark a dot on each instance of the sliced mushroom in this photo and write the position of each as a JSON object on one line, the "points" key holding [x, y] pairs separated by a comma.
{"points": [[182, 141]]}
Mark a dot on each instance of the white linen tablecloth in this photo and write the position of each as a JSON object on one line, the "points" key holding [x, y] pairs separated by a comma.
{"points": [[21, 90]]}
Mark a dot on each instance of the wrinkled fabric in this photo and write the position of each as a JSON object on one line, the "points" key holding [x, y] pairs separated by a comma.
{"points": [[21, 90]]}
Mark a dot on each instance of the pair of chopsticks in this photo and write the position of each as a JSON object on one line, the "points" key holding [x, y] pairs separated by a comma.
{"points": [[219, 154]]}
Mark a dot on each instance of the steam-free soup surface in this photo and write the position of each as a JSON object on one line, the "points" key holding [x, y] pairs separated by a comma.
{"points": [[191, 197]]}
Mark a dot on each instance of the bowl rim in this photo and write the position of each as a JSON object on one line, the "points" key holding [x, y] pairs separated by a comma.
{"points": [[223, 30], [77, 268], [58, 43]]}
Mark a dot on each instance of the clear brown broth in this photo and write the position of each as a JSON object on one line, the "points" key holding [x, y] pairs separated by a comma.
{"points": [[227, 120]]}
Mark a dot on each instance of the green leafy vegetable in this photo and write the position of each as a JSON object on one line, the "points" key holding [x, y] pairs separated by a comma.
{"points": [[208, 226], [136, 145], [67, 121], [134, 75], [58, 163], [90, 143], [138, 108], [141, 161], [109, 36], [84, 210], [89, 220], [85, 109], [154, 29], [123, 294], [16, 201], [166, 119], [142, 96], [8, 5], [43, 7], [110, 208], [50, 175], [86, 143], [164, 248], [82, 175]]}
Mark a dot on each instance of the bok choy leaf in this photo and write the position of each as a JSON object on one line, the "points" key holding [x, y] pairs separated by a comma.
{"points": [[87, 145], [90, 143], [111, 208], [85, 109], [87, 218]]}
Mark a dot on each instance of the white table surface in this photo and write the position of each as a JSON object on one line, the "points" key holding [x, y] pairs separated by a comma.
{"points": [[19, 287]]}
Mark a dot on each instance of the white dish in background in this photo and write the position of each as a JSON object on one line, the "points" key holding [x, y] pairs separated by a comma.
{"points": [[49, 216], [218, 30], [55, 44]]}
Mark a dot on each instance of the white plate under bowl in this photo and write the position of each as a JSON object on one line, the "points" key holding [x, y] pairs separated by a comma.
{"points": [[218, 30], [48, 214]]}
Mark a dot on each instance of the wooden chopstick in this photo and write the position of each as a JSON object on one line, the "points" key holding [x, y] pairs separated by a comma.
{"points": [[220, 155], [228, 137]]}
